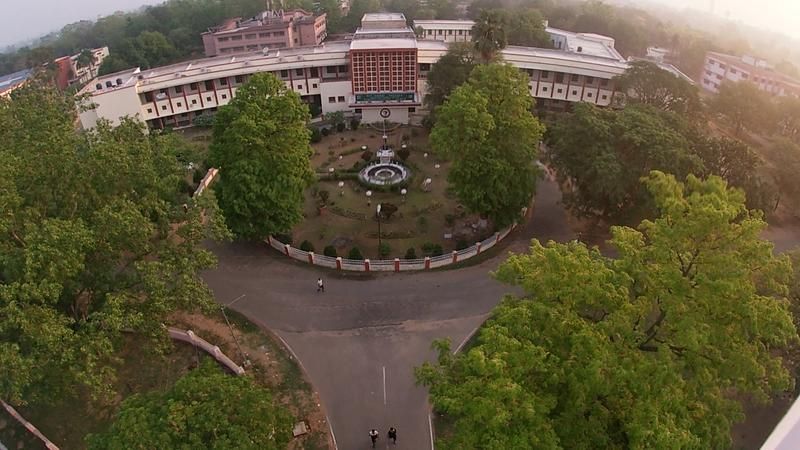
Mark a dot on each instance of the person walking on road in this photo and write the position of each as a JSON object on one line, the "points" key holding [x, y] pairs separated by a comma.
{"points": [[373, 434], [320, 285], [392, 435]]}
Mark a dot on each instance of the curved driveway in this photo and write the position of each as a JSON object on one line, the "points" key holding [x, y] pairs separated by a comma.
{"points": [[361, 339]]}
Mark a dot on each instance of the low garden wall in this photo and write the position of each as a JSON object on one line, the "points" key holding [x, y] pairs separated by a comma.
{"points": [[389, 265]]}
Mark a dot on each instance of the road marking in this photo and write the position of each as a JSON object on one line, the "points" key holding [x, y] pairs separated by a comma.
{"points": [[384, 385], [430, 428]]}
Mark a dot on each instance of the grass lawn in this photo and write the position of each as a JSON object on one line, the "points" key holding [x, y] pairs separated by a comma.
{"points": [[348, 219]]}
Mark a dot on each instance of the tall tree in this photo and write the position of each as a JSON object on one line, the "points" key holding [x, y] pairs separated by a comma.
{"points": [[647, 83], [261, 146], [487, 129], [449, 72], [787, 113], [207, 408], [604, 153], [93, 241], [489, 35], [743, 106], [653, 349]]}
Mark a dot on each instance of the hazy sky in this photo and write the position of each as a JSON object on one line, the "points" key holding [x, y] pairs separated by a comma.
{"points": [[25, 19]]}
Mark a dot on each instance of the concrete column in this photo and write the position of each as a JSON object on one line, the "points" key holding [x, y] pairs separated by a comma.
{"points": [[339, 262], [477, 248], [496, 238], [311, 258], [286, 248], [455, 256], [397, 264], [427, 262], [366, 265]]}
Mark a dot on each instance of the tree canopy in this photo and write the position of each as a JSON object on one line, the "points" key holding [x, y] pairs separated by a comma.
{"points": [[489, 34], [206, 408], [486, 128], [647, 83], [94, 239], [449, 72], [261, 146], [653, 349], [743, 106]]}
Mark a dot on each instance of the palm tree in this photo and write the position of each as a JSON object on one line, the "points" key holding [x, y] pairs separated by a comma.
{"points": [[85, 58], [488, 34]]}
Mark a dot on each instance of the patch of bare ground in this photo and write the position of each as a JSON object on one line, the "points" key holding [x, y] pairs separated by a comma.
{"points": [[270, 363]]}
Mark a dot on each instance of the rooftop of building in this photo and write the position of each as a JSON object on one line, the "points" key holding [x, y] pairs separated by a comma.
{"points": [[384, 43], [12, 80], [432, 23], [382, 17], [267, 19], [588, 43], [763, 72]]}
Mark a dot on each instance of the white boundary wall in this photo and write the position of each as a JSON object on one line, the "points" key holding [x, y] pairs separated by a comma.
{"points": [[389, 265]]}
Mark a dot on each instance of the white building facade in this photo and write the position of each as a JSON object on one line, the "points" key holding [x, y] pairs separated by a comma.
{"points": [[380, 74], [720, 68]]}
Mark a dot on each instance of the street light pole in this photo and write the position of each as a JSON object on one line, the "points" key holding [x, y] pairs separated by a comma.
{"points": [[379, 229]]}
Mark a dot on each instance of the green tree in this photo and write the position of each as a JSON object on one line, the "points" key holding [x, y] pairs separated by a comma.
{"points": [[261, 146], [489, 34], [653, 349], [85, 58], [526, 27], [486, 128], [788, 117], [206, 408], [449, 72], [785, 157], [94, 240], [604, 153], [743, 106], [647, 83]]}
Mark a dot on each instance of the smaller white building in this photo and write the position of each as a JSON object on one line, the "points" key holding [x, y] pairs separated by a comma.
{"points": [[720, 68], [444, 30]]}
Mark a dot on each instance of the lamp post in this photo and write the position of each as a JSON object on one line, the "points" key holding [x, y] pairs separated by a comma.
{"points": [[341, 188], [369, 198], [403, 192], [378, 213]]}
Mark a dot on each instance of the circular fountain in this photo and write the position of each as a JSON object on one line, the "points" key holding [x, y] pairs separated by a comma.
{"points": [[386, 171]]}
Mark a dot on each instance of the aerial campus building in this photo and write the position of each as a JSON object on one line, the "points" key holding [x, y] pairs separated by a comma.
{"points": [[380, 73], [719, 68]]}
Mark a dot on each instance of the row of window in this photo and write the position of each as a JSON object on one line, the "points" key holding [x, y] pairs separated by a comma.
{"points": [[574, 92], [448, 32], [249, 36], [194, 102], [339, 99], [559, 77]]}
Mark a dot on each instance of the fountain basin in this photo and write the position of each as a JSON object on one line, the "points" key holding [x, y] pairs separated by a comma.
{"points": [[384, 174]]}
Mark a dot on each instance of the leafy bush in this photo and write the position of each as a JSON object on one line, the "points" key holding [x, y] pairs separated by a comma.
{"points": [[437, 250], [354, 124], [449, 219], [367, 155], [387, 209], [403, 153], [384, 249], [330, 250], [316, 135], [340, 127], [422, 223], [325, 131], [411, 253], [306, 246], [324, 195], [204, 121], [461, 244], [431, 249], [283, 237], [355, 253]]}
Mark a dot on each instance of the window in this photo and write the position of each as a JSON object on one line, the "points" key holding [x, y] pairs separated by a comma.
{"points": [[314, 72], [163, 107], [208, 99], [574, 92], [331, 99], [314, 85], [430, 32], [341, 98], [559, 91], [450, 32], [149, 110], [343, 69], [284, 74], [279, 33], [148, 96], [162, 91], [223, 81], [223, 39], [193, 87], [412, 110], [330, 69], [589, 94], [236, 38], [209, 85], [604, 82], [544, 89], [238, 49], [358, 111], [250, 36], [574, 77], [299, 72], [239, 79], [545, 74], [559, 77], [299, 86], [224, 96], [180, 105], [194, 101], [440, 32], [295, 40], [425, 67], [605, 97], [178, 89], [589, 80]]}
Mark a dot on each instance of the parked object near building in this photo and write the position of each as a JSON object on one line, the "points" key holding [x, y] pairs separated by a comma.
{"points": [[380, 74], [719, 68], [267, 30]]}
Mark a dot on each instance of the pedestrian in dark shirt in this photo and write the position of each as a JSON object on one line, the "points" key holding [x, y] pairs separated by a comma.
{"points": [[392, 435]]}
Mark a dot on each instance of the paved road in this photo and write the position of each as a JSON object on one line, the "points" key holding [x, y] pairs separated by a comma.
{"points": [[361, 339]]}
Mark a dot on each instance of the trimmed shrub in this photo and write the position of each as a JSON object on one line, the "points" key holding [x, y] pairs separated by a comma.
{"points": [[283, 237], [306, 246], [422, 224], [330, 250], [461, 244], [411, 253], [316, 135], [384, 249], [403, 153], [387, 209], [325, 131], [354, 124], [340, 127], [431, 249], [449, 219], [367, 155], [437, 250], [324, 195], [355, 253]]}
